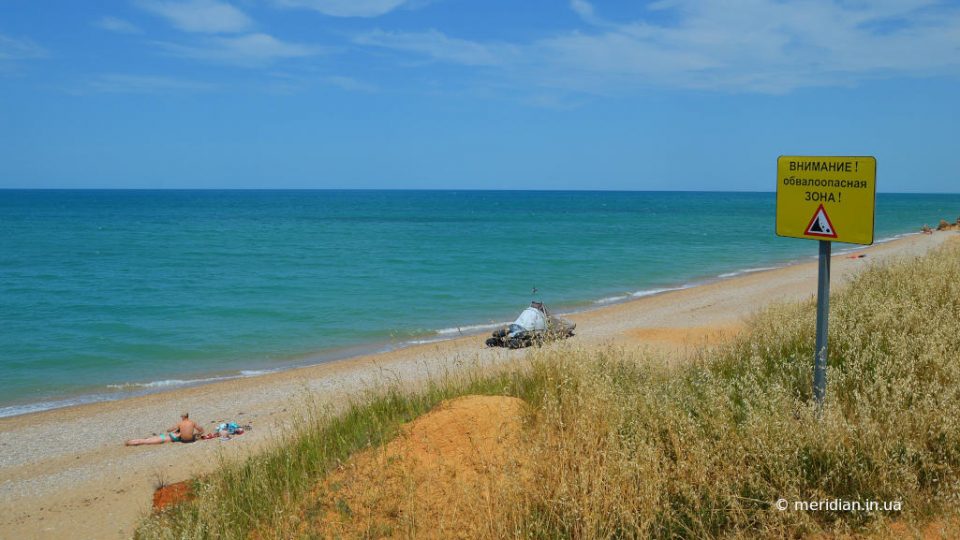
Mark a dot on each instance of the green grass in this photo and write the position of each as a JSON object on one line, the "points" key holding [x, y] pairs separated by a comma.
{"points": [[621, 446]]}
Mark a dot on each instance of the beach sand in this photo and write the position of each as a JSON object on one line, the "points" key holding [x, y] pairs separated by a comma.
{"points": [[66, 474]]}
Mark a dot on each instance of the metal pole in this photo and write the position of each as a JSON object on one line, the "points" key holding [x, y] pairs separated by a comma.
{"points": [[823, 313]]}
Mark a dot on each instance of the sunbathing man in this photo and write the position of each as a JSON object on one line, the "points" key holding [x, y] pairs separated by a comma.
{"points": [[186, 430]]}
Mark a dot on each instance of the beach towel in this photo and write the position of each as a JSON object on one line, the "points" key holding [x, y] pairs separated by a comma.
{"points": [[226, 430]]}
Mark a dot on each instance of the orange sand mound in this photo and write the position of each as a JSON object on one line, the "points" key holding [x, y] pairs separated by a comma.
{"points": [[942, 529], [937, 530], [171, 494], [431, 480]]}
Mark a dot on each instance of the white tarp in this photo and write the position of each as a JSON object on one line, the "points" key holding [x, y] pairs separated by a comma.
{"points": [[532, 319]]}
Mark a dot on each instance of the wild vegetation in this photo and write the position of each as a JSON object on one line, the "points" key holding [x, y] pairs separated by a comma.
{"points": [[617, 444]]}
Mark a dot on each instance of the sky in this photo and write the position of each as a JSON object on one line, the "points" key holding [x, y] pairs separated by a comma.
{"points": [[465, 94]]}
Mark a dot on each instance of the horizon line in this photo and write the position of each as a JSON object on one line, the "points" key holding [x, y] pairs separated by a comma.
{"points": [[572, 190]]}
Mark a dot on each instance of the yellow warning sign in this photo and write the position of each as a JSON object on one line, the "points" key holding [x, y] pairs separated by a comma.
{"points": [[826, 198]]}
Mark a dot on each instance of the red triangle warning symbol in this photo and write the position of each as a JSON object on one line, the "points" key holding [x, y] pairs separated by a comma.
{"points": [[820, 225]]}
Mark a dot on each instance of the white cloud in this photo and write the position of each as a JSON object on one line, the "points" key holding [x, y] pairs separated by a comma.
{"points": [[19, 49], [585, 10], [144, 84], [14, 50], [347, 8], [765, 46], [214, 17], [202, 16], [250, 50], [438, 46], [117, 25]]}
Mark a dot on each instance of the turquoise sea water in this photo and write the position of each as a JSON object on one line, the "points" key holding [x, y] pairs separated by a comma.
{"points": [[111, 293]]}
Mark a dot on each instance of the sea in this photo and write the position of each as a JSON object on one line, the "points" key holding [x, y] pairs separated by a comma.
{"points": [[112, 293]]}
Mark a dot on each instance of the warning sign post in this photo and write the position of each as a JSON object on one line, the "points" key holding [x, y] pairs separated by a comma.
{"points": [[830, 199]]}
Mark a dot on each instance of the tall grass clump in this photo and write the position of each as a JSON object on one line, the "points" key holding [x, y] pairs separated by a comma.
{"points": [[621, 444], [626, 449]]}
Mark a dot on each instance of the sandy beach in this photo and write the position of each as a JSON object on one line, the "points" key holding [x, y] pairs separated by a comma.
{"points": [[66, 474]]}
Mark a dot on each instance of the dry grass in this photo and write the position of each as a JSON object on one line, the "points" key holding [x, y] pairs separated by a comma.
{"points": [[618, 445]]}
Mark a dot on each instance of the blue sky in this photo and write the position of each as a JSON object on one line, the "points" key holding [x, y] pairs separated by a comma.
{"points": [[673, 94]]}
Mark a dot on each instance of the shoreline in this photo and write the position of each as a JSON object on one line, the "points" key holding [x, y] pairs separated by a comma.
{"points": [[64, 472], [321, 357]]}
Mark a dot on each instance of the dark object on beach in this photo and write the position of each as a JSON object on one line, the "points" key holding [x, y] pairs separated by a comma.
{"points": [[534, 326], [926, 229], [943, 225]]}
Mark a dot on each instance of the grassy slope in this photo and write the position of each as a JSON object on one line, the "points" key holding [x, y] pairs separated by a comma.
{"points": [[620, 446]]}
